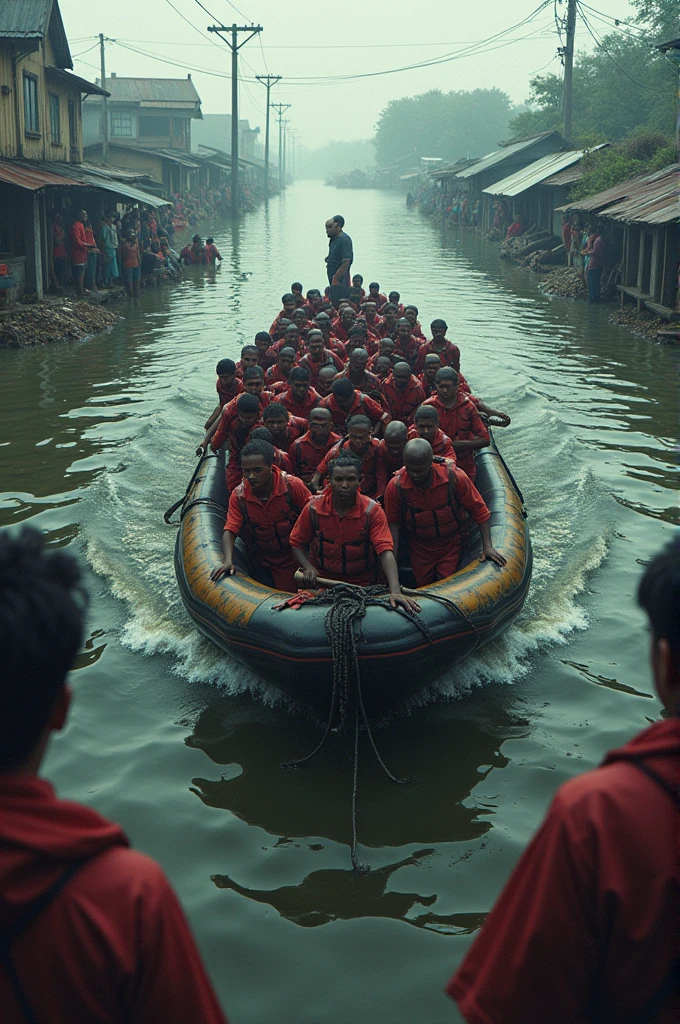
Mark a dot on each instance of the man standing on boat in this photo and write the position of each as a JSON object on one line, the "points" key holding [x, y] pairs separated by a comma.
{"points": [[344, 535], [429, 498], [339, 259]]}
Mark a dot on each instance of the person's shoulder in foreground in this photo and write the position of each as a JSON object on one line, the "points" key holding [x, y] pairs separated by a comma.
{"points": [[101, 920], [588, 927]]}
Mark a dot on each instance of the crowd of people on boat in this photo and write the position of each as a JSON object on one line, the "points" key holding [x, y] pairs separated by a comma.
{"points": [[351, 436]]}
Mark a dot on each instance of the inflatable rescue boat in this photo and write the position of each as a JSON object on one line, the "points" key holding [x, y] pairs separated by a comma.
{"points": [[397, 655]]}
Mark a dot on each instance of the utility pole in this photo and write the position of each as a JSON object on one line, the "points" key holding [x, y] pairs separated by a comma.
{"points": [[280, 107], [293, 148], [568, 55], [105, 109], [285, 153], [267, 81], [234, 46]]}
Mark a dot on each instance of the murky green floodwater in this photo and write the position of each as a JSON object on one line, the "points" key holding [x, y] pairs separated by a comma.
{"points": [[181, 746]]}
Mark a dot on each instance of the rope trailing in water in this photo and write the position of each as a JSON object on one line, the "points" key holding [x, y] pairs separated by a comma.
{"points": [[347, 605]]}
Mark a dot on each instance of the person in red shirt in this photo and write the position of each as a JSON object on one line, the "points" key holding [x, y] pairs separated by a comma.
{"points": [[281, 459], [403, 393], [357, 285], [291, 339], [382, 368], [250, 356], [366, 448], [448, 351], [586, 929], [228, 387], [318, 356], [391, 450], [324, 383], [344, 402], [390, 317], [325, 325], [237, 420], [300, 320], [344, 323], [431, 367], [515, 229], [427, 499], [343, 535], [309, 450], [212, 253], [300, 398], [131, 263], [411, 314], [369, 312], [288, 306], [385, 349], [284, 428], [314, 303], [263, 344], [406, 346], [92, 257], [297, 293], [357, 373], [394, 298], [91, 929], [375, 295], [459, 419], [194, 255], [263, 510], [78, 244], [426, 425], [276, 377]]}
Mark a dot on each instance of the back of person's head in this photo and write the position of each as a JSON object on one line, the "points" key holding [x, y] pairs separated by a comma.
{"points": [[263, 448], [225, 366], [210, 241], [261, 434], [42, 610], [343, 387], [339, 220], [287, 299], [248, 403]]}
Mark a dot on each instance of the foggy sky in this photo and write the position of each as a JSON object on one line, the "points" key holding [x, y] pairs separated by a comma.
{"points": [[305, 39]]}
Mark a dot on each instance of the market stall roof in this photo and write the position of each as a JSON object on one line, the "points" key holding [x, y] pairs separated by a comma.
{"points": [[647, 199], [536, 173], [99, 178], [499, 155]]}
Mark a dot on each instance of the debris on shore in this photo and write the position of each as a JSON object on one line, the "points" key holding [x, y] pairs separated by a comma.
{"points": [[643, 323], [565, 281], [52, 320]]}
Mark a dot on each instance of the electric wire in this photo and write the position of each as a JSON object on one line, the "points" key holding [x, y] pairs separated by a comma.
{"points": [[600, 45]]}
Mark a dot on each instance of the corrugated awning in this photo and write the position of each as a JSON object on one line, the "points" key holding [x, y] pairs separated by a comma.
{"points": [[647, 199], [75, 80], [119, 188], [535, 173], [31, 178]]}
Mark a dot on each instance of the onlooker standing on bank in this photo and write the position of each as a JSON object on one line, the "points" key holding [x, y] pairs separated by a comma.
{"points": [[109, 241], [90, 930], [587, 928], [596, 264], [339, 259], [78, 244]]}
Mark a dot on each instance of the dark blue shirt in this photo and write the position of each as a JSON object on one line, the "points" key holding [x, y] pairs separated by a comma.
{"points": [[339, 250]]}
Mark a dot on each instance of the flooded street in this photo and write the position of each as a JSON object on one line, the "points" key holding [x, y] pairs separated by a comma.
{"points": [[182, 746]]}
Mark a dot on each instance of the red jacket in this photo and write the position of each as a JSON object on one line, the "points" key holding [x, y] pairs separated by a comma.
{"points": [[343, 547], [305, 456], [234, 391], [461, 423], [362, 404], [441, 445], [373, 472], [114, 945], [587, 926], [433, 514], [449, 355], [402, 404], [265, 526], [78, 242], [407, 349], [301, 409], [389, 462]]}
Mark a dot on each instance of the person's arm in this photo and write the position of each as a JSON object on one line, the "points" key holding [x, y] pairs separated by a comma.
{"points": [[226, 566], [481, 437], [219, 436], [502, 417], [310, 575], [341, 271], [300, 537], [394, 530], [488, 551], [315, 482], [397, 599]]}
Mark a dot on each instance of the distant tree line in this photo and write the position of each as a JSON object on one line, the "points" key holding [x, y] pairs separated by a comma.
{"points": [[452, 125]]}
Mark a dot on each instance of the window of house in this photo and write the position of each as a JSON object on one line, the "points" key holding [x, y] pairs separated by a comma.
{"points": [[72, 126], [179, 128], [154, 126], [121, 125], [55, 119], [31, 118]]}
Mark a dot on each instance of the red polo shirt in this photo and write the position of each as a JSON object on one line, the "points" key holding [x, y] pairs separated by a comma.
{"points": [[373, 473], [362, 404], [441, 445], [402, 404], [461, 423], [303, 408], [227, 394], [305, 456], [328, 358], [449, 355]]}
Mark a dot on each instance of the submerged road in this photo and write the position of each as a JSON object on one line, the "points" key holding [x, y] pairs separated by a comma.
{"points": [[181, 746]]}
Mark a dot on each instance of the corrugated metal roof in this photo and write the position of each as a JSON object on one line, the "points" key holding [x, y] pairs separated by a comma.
{"points": [[32, 178], [32, 19], [499, 155], [536, 173], [98, 177], [646, 199], [152, 90], [76, 81], [567, 177]]}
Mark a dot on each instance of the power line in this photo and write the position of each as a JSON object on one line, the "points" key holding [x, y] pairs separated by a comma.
{"points": [[235, 8], [600, 45]]}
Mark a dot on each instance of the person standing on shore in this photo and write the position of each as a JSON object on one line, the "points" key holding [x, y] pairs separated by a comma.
{"points": [[79, 250], [586, 928], [596, 245], [339, 259]]}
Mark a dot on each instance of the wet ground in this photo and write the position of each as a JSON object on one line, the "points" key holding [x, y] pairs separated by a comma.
{"points": [[182, 747]]}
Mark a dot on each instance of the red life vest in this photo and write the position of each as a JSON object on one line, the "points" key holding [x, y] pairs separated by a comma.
{"points": [[267, 537], [431, 523], [355, 557]]}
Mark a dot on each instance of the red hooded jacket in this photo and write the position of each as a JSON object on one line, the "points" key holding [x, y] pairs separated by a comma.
{"points": [[113, 945], [588, 926]]}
